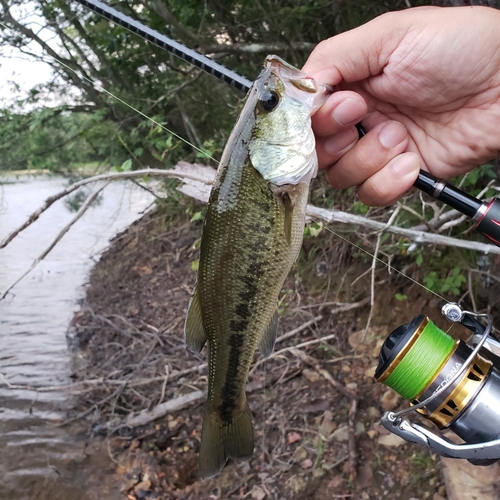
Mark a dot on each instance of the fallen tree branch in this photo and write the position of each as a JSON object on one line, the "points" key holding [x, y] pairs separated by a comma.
{"points": [[146, 416], [201, 193], [182, 170], [416, 236], [293, 332], [56, 240], [197, 179]]}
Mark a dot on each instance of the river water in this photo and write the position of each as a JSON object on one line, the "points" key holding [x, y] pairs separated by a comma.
{"points": [[38, 459]]}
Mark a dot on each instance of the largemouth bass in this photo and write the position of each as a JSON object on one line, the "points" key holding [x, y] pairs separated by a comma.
{"points": [[252, 235]]}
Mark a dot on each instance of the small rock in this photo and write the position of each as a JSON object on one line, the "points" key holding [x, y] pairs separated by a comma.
{"points": [[341, 434], [257, 493], [307, 463], [293, 437], [373, 412], [352, 386], [391, 440], [372, 434], [359, 428], [311, 375], [370, 372], [327, 425], [365, 495], [390, 400]]}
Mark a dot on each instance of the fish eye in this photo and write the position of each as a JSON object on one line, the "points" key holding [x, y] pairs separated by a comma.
{"points": [[269, 100]]}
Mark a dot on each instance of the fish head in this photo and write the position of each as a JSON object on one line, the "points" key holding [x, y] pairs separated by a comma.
{"points": [[282, 146]]}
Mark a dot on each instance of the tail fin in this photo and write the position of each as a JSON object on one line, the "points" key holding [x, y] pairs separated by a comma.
{"points": [[220, 441]]}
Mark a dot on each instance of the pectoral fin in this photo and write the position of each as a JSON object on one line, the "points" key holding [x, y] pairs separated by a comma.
{"points": [[194, 333], [268, 339], [288, 217]]}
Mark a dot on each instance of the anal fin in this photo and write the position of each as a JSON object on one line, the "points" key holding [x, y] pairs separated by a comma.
{"points": [[194, 332]]}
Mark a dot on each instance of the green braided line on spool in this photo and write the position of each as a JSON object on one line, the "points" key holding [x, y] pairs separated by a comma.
{"points": [[422, 361]]}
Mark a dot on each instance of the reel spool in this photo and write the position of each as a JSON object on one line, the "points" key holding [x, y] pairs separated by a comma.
{"points": [[449, 382]]}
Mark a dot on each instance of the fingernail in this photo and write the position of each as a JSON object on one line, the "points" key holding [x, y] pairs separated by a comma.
{"points": [[341, 142], [392, 134], [349, 111], [405, 164]]}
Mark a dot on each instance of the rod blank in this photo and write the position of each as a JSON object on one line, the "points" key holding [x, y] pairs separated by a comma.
{"points": [[177, 49]]}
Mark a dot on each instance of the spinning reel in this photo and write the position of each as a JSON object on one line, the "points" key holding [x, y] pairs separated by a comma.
{"points": [[453, 384]]}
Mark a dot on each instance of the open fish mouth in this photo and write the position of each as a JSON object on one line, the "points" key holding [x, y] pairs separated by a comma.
{"points": [[283, 150]]}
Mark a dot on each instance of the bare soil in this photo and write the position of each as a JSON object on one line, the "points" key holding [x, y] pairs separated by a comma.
{"points": [[312, 441]]}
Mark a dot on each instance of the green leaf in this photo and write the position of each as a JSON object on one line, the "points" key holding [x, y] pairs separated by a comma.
{"points": [[315, 228], [419, 259], [400, 296], [196, 216], [126, 165], [195, 264]]}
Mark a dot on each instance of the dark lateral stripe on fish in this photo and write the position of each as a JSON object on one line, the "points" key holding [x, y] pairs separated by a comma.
{"points": [[230, 388], [236, 341]]}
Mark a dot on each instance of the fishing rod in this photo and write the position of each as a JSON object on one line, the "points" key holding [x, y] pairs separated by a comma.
{"points": [[454, 384], [484, 215]]}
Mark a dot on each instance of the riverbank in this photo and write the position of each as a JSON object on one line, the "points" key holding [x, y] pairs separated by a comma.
{"points": [[315, 404], [312, 438]]}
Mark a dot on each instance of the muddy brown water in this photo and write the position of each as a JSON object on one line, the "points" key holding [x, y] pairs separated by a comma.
{"points": [[38, 459]]}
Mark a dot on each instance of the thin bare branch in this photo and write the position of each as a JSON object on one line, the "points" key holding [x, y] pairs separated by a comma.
{"points": [[199, 173], [56, 240]]}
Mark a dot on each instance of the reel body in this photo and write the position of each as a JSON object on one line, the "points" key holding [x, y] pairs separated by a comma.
{"points": [[451, 383]]}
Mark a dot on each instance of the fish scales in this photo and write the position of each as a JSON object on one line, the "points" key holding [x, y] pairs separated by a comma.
{"points": [[252, 235]]}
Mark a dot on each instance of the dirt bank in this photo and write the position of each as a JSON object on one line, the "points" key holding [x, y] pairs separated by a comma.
{"points": [[316, 407]]}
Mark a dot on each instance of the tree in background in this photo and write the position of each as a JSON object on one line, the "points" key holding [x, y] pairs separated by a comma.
{"points": [[92, 60]]}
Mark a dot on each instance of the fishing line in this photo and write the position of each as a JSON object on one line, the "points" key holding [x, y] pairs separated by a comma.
{"points": [[100, 88], [384, 263], [424, 356]]}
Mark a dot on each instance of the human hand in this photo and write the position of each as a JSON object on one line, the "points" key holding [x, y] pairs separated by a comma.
{"points": [[425, 83]]}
